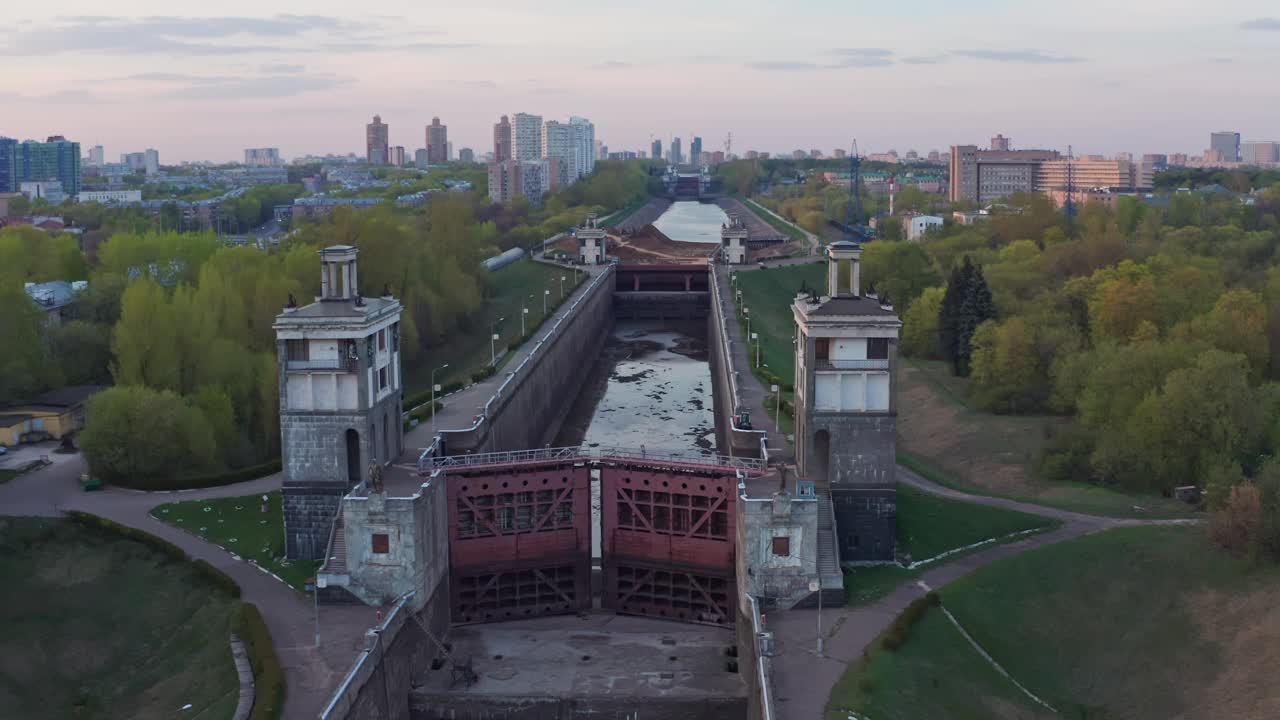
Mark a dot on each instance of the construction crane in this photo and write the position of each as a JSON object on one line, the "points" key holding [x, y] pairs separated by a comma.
{"points": [[854, 229]]}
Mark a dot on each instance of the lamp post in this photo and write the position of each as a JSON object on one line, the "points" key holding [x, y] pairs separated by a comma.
{"points": [[493, 338], [747, 311], [755, 337], [524, 310], [562, 279], [545, 294], [777, 414], [435, 389], [816, 586]]}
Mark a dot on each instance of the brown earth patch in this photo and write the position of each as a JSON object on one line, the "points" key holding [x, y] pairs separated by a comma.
{"points": [[1246, 629]]}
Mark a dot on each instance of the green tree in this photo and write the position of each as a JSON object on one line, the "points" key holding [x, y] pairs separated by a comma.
{"points": [[139, 437], [83, 352], [26, 365], [920, 336], [899, 270], [145, 341], [976, 309]]}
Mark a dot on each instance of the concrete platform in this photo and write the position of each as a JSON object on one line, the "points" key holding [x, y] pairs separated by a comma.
{"points": [[528, 668]]}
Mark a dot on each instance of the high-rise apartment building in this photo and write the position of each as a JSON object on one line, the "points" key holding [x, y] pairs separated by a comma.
{"points": [[466, 155], [449, 151], [673, 154], [8, 165], [984, 175], [557, 142], [147, 161], [502, 140], [437, 142], [377, 141], [395, 156], [512, 178], [1260, 153], [1157, 161], [262, 157], [655, 150], [584, 146], [1226, 144], [695, 149], [1000, 143], [840, 154], [1093, 174], [97, 156], [54, 159], [420, 158], [526, 136]]}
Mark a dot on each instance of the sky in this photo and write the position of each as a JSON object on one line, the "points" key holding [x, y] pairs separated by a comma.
{"points": [[203, 81]]}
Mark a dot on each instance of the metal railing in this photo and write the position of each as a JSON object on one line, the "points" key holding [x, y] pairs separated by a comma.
{"points": [[851, 364], [430, 464], [345, 365]]}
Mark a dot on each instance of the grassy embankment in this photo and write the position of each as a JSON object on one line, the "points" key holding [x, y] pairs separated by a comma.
{"points": [[238, 525], [1135, 623], [940, 435], [785, 228], [94, 625], [467, 350]]}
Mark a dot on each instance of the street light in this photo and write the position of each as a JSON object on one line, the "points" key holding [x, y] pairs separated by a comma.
{"points": [[747, 311], [524, 310], [756, 338], [435, 389], [493, 357], [777, 414], [562, 279], [545, 294], [816, 586]]}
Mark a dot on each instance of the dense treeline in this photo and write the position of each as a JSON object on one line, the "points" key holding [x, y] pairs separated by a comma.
{"points": [[181, 324], [1156, 328]]}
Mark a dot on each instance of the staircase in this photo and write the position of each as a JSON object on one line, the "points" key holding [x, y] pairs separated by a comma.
{"points": [[828, 554], [335, 562]]}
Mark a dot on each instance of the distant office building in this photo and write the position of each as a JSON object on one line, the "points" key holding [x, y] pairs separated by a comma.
{"points": [[502, 140], [526, 137], [605, 150], [147, 161], [1260, 153], [602, 152], [1227, 146], [983, 175], [919, 225], [584, 146], [673, 153], [8, 165], [695, 148], [437, 142], [815, 154], [395, 156], [935, 156], [717, 157], [655, 150], [466, 155], [840, 154], [54, 159], [1157, 161], [1000, 143], [1093, 174], [420, 158], [48, 190], [1178, 160], [377, 141], [97, 156], [798, 155], [262, 157], [624, 155], [752, 155]]}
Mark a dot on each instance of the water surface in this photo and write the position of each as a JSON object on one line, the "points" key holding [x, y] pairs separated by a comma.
{"points": [[689, 221]]}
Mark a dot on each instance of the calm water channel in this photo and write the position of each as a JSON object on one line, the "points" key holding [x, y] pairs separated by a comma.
{"points": [[689, 221]]}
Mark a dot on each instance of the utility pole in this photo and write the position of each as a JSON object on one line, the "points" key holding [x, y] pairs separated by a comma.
{"points": [[435, 389], [493, 338]]}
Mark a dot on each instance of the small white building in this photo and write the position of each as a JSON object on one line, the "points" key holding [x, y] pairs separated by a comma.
{"points": [[591, 242], [48, 190], [733, 241], [109, 197], [920, 225]]}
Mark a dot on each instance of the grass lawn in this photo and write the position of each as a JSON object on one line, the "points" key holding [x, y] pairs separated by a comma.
{"points": [[768, 294], [929, 526], [617, 217], [239, 525], [467, 350], [96, 626], [785, 228], [1148, 622]]}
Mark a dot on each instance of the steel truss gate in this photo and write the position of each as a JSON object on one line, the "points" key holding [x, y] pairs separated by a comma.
{"points": [[519, 541], [668, 541]]}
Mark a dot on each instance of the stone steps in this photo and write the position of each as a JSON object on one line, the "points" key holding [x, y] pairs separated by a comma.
{"points": [[828, 559], [336, 563]]}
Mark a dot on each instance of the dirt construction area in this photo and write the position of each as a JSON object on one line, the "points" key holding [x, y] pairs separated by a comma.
{"points": [[647, 245]]}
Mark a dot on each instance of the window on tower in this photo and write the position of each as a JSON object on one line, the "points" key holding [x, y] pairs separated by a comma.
{"points": [[878, 348]]}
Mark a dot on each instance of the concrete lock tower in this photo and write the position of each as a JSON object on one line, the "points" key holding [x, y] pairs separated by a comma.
{"points": [[846, 404], [733, 241], [340, 397], [591, 242]]}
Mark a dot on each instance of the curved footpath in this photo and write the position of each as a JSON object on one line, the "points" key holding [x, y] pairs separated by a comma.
{"points": [[311, 673], [803, 681]]}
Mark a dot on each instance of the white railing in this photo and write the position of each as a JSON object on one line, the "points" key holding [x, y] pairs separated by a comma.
{"points": [[851, 364]]}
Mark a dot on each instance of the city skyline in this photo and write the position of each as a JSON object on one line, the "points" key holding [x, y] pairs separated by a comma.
{"points": [[1147, 80]]}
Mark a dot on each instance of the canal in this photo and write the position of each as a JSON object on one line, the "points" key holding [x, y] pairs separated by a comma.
{"points": [[690, 221]]}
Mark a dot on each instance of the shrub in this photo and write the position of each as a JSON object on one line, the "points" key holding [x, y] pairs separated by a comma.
{"points": [[484, 374], [897, 633], [217, 577], [1066, 457], [245, 474], [102, 524], [268, 675]]}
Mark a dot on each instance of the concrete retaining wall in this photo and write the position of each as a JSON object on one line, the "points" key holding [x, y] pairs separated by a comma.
{"points": [[731, 439], [528, 407], [755, 646], [396, 652], [472, 707]]}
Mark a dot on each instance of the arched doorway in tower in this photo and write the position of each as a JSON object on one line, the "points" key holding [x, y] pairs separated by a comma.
{"points": [[353, 458], [821, 458]]}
